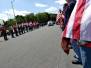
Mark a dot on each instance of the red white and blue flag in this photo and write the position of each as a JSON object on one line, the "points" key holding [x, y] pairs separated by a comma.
{"points": [[79, 24]]}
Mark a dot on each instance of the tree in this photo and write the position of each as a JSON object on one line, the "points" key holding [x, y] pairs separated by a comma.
{"points": [[53, 17], [30, 17], [19, 19], [42, 18], [10, 22]]}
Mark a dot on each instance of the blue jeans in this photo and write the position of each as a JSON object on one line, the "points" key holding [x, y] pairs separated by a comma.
{"points": [[86, 56], [76, 49]]}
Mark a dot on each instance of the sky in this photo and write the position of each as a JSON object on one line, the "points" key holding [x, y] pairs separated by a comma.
{"points": [[23, 7]]}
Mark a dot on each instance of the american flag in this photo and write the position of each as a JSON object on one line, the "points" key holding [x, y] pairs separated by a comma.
{"points": [[79, 24], [59, 19]]}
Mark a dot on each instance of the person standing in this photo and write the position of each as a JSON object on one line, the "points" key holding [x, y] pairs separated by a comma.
{"points": [[67, 12], [60, 19], [11, 32], [78, 28], [4, 33], [19, 29], [15, 30]]}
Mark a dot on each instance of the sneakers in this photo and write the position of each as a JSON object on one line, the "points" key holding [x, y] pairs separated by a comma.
{"points": [[75, 56], [76, 62]]}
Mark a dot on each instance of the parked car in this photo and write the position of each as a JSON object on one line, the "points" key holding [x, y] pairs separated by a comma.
{"points": [[50, 23]]}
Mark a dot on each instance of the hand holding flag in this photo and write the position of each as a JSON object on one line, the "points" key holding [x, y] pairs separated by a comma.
{"points": [[65, 45]]}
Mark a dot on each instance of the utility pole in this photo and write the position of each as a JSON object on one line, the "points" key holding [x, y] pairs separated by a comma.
{"points": [[12, 1], [13, 7]]}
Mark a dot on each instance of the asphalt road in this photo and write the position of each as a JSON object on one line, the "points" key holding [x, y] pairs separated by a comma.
{"points": [[37, 49]]}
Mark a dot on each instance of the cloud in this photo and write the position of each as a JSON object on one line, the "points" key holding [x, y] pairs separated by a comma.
{"points": [[5, 15], [40, 5], [61, 2], [51, 10], [17, 12]]}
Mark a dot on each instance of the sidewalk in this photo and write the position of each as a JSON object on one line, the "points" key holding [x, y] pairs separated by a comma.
{"points": [[65, 61]]}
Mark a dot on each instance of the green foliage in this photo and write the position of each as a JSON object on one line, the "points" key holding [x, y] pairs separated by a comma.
{"points": [[30, 17], [42, 17], [53, 17], [19, 19], [10, 22]]}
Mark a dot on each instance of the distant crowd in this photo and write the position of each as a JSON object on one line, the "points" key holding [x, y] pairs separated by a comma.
{"points": [[17, 29]]}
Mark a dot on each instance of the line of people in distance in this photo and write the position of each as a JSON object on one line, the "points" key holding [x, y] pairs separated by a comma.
{"points": [[17, 29]]}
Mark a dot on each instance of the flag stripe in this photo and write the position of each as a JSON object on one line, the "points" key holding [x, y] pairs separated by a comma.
{"points": [[79, 24], [78, 17], [85, 33], [68, 30]]}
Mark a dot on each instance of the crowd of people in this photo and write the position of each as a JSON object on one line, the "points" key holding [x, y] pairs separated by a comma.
{"points": [[17, 29], [75, 22]]}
